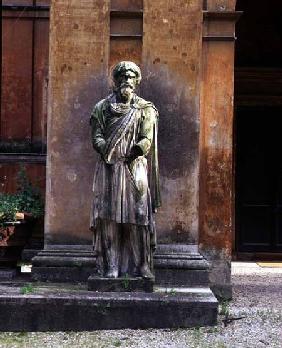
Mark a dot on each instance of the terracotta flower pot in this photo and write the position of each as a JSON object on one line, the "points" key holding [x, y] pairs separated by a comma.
{"points": [[5, 233]]}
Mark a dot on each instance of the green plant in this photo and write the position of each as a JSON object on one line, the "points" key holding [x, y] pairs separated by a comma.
{"points": [[27, 289], [125, 282], [27, 199], [117, 343], [224, 308], [8, 208], [172, 291], [29, 196]]}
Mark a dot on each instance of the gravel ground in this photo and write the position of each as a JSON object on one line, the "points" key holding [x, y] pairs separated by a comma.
{"points": [[252, 319]]}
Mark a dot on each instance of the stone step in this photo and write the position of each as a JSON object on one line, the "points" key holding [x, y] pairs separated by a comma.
{"points": [[7, 273], [64, 309]]}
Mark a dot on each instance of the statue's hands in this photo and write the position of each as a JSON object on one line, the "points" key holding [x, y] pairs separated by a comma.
{"points": [[103, 153], [134, 153]]}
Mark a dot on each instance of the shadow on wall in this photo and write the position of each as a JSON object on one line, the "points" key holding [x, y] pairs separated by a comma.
{"points": [[178, 124]]}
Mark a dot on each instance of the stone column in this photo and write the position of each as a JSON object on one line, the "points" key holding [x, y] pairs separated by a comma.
{"points": [[79, 44], [171, 65]]}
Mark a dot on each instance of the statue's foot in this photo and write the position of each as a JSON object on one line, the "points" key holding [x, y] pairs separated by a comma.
{"points": [[146, 272], [112, 273]]}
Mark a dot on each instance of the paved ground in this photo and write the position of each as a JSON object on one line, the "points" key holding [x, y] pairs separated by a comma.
{"points": [[252, 319]]}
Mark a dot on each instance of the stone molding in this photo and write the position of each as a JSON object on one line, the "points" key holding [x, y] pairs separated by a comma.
{"points": [[219, 25]]}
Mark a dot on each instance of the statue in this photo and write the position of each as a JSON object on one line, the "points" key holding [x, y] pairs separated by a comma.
{"points": [[126, 181]]}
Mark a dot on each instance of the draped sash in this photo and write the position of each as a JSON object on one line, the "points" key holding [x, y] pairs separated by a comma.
{"points": [[116, 132]]}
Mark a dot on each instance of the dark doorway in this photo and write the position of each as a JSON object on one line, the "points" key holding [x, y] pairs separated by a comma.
{"points": [[259, 179], [258, 127]]}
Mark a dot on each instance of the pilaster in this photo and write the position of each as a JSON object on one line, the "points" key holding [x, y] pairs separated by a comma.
{"points": [[216, 142]]}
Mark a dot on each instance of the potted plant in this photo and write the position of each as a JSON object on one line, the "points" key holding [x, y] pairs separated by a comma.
{"points": [[18, 212], [8, 216]]}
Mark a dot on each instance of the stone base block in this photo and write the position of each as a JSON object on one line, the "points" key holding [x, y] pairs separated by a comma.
{"points": [[63, 265], [86, 311], [120, 284], [180, 265], [182, 277]]}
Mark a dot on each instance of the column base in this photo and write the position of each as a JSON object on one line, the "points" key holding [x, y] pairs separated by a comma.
{"points": [[63, 265], [180, 266]]}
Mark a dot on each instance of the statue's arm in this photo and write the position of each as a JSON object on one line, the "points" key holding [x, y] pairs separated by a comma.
{"points": [[97, 136], [147, 130]]}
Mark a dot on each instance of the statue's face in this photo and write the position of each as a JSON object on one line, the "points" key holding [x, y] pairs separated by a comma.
{"points": [[126, 84]]}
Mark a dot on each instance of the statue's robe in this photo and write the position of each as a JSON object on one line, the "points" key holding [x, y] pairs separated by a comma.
{"points": [[125, 192]]}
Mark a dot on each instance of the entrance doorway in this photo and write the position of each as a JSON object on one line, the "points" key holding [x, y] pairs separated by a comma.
{"points": [[259, 179], [258, 128]]}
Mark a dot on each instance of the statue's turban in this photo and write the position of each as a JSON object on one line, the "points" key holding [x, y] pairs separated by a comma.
{"points": [[125, 66]]}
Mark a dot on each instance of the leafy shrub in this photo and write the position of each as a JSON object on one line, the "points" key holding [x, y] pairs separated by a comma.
{"points": [[8, 207], [27, 199], [28, 196]]}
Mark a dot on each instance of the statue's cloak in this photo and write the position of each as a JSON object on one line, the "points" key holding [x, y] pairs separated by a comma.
{"points": [[125, 192]]}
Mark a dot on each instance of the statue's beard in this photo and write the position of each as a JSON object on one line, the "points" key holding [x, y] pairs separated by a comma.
{"points": [[125, 92]]}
